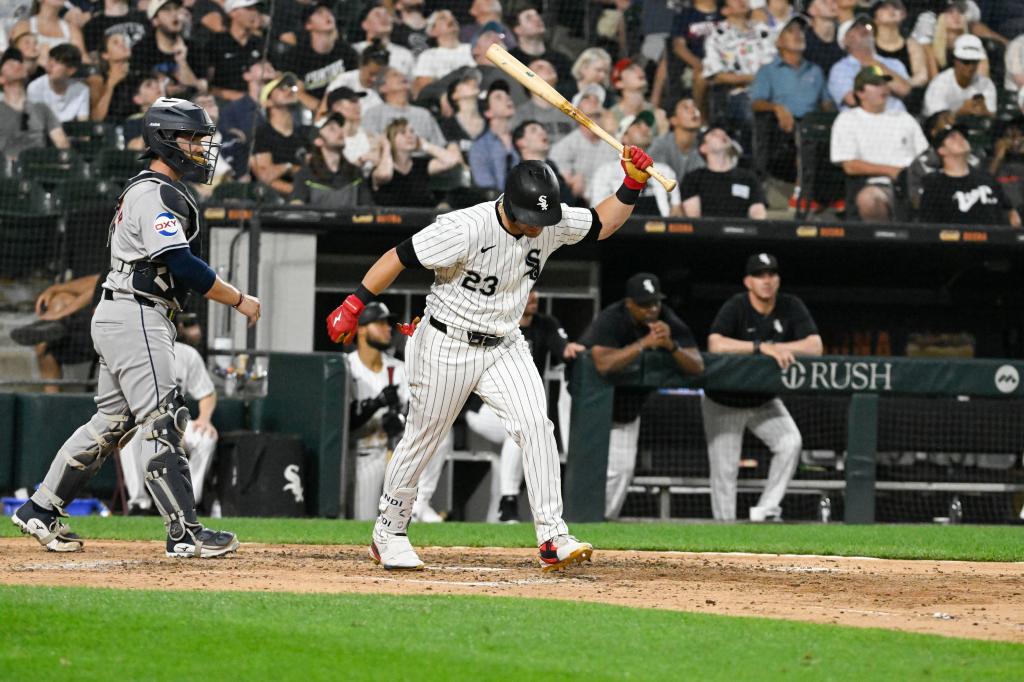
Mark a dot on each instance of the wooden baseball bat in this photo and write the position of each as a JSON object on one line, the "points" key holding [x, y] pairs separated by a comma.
{"points": [[538, 86]]}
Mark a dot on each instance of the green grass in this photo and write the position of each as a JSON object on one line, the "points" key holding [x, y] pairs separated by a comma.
{"points": [[969, 543], [79, 634]]}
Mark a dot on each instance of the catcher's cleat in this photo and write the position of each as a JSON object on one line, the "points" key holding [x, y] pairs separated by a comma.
{"points": [[563, 551], [394, 552], [202, 543], [46, 527]]}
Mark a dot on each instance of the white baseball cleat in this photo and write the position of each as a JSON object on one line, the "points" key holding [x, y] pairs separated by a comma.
{"points": [[46, 527], [763, 514], [563, 551], [394, 552], [424, 513]]}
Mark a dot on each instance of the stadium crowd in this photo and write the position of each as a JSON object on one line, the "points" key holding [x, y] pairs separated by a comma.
{"points": [[873, 109]]}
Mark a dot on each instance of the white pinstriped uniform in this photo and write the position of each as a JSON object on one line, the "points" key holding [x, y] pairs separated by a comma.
{"points": [[482, 277]]}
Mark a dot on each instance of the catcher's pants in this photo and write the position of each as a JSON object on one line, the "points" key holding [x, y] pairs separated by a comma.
{"points": [[200, 449], [622, 443], [724, 426], [442, 372]]}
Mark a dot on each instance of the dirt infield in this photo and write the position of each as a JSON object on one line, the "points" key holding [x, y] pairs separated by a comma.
{"points": [[953, 598]]}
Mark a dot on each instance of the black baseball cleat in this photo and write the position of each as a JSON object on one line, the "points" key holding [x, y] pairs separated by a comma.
{"points": [[508, 509], [46, 527], [202, 543], [40, 331]]}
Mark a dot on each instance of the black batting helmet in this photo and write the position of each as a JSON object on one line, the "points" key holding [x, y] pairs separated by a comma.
{"points": [[165, 120], [531, 194]]}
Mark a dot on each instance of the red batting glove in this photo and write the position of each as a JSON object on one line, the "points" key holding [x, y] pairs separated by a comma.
{"points": [[342, 322], [634, 163], [407, 328]]}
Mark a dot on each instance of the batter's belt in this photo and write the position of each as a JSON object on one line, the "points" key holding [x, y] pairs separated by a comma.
{"points": [[472, 338]]}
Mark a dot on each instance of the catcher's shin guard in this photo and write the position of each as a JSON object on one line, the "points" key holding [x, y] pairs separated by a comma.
{"points": [[80, 458], [167, 474]]}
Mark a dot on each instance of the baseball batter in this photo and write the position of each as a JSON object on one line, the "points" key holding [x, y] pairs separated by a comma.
{"points": [[152, 267], [199, 439], [485, 259], [759, 321]]}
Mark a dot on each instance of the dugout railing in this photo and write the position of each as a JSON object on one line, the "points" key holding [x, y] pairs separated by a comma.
{"points": [[884, 439]]}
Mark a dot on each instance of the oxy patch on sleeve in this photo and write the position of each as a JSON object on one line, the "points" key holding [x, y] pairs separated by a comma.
{"points": [[166, 224]]}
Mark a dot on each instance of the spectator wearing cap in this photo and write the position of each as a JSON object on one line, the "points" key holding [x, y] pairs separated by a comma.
{"points": [[823, 48], [436, 62], [557, 124], [630, 81], [326, 178], [279, 146], [758, 321], [401, 179], [164, 52], [50, 21], [1007, 164], [960, 88], [319, 56], [393, 87], [146, 91], [732, 56], [378, 25], [929, 161], [591, 70], [938, 31], [234, 50], [238, 117], [637, 131], [958, 193], [362, 149], [787, 89], [23, 124], [857, 38], [887, 17], [689, 33], [581, 152], [533, 144], [772, 13], [678, 148], [66, 96], [466, 124], [530, 33], [487, 16], [620, 336], [721, 189], [411, 29], [874, 145], [115, 17], [373, 60], [493, 154]]}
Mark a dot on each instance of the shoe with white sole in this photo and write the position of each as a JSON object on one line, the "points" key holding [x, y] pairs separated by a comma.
{"points": [[394, 552], [563, 551], [46, 527], [424, 513], [765, 514], [202, 543]]}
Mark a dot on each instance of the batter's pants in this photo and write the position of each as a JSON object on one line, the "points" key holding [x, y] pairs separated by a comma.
{"points": [[724, 426]]}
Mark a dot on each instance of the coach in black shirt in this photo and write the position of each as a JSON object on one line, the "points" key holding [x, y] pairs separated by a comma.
{"points": [[757, 321], [617, 337], [721, 190], [959, 193]]}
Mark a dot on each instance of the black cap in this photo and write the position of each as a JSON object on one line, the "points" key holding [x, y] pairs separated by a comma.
{"points": [[375, 312], [937, 136], [343, 92], [11, 53], [644, 288], [762, 262], [310, 10]]}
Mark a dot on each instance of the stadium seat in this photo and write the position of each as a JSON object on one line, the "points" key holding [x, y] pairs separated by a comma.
{"points": [[117, 164], [50, 166], [818, 179], [77, 194], [24, 197], [89, 138], [28, 230], [246, 193]]}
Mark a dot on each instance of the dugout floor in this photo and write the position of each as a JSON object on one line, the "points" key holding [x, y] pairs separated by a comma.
{"points": [[978, 600]]}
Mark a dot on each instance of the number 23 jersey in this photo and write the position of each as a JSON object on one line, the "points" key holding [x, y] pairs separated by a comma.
{"points": [[483, 274]]}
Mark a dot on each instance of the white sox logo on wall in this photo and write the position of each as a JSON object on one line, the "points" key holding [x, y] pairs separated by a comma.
{"points": [[542, 201], [166, 224], [1007, 379], [838, 376], [294, 484]]}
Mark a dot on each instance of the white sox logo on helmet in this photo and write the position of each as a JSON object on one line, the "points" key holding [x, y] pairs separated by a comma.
{"points": [[542, 201]]}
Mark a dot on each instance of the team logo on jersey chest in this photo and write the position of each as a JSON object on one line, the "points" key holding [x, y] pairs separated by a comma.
{"points": [[533, 262], [166, 224]]}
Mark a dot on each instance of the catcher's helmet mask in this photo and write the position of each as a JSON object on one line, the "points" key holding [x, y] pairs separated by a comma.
{"points": [[162, 130], [531, 195]]}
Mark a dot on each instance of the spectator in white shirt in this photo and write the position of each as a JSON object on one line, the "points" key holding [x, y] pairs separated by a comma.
{"points": [[874, 146], [960, 88], [378, 24], [638, 131], [373, 60], [1014, 79], [581, 152], [450, 54], [393, 87], [67, 97]]}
